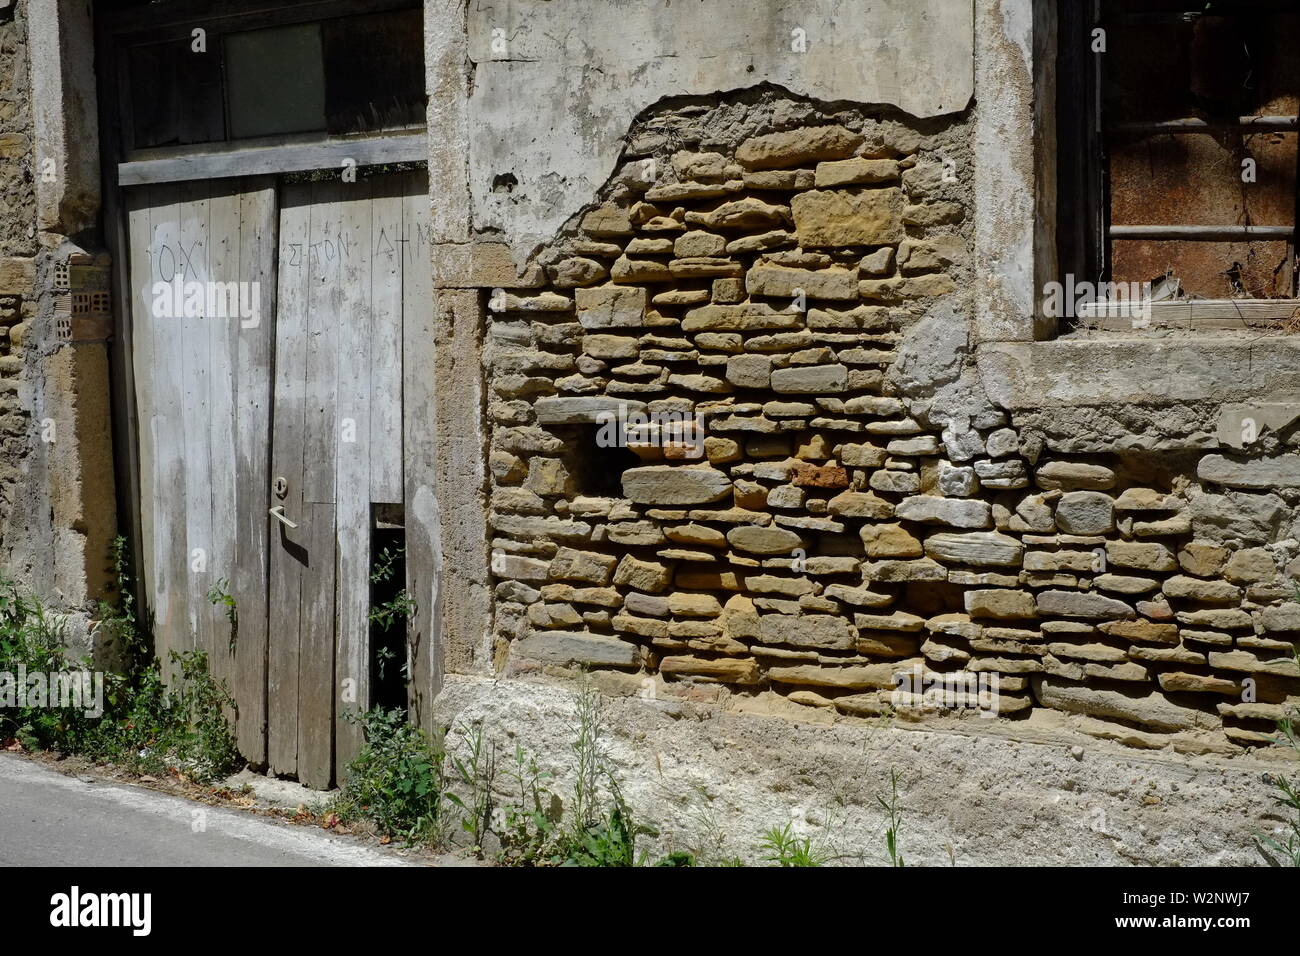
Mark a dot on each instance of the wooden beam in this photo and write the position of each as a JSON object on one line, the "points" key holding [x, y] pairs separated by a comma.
{"points": [[235, 14], [217, 162]]}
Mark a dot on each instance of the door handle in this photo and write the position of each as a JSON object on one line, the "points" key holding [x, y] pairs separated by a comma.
{"points": [[278, 514]]}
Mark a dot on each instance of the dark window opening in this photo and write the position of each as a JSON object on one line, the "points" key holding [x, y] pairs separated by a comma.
{"points": [[596, 466], [1177, 147], [335, 76], [374, 71], [177, 96], [275, 81]]}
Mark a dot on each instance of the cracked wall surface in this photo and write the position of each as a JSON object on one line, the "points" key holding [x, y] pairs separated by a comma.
{"points": [[554, 87]]}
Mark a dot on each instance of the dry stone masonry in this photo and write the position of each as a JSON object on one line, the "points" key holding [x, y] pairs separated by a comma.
{"points": [[17, 249], [796, 281]]}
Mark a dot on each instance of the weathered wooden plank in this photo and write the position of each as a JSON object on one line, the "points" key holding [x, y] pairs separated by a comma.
{"points": [[171, 572], [195, 364], [1195, 124], [223, 330], [251, 13], [1227, 311], [386, 341], [419, 415], [143, 275], [316, 660], [258, 219], [217, 161], [288, 546], [326, 248], [353, 468]]}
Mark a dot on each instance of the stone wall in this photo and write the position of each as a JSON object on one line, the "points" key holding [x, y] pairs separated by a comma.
{"points": [[17, 247], [855, 507], [57, 497]]}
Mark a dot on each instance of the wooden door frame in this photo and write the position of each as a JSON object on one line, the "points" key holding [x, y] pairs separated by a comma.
{"points": [[119, 171]]}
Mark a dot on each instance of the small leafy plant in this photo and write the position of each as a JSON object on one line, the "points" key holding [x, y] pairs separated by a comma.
{"points": [[147, 724], [894, 820], [1288, 796], [527, 829], [1287, 793], [391, 613], [183, 726], [783, 848], [597, 828], [219, 593], [601, 831], [398, 780], [477, 772]]}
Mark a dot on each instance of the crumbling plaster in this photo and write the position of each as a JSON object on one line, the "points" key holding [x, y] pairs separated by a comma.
{"points": [[555, 86], [56, 535]]}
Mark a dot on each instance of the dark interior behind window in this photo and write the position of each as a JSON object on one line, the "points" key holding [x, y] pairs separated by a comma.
{"points": [[275, 81], [1177, 145], [349, 74], [176, 95], [374, 68]]}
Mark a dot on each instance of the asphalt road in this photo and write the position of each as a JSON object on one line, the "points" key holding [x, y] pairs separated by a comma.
{"points": [[48, 819]]}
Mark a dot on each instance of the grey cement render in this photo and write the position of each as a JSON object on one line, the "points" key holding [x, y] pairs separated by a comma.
{"points": [[56, 538], [556, 85], [1005, 173], [971, 794]]}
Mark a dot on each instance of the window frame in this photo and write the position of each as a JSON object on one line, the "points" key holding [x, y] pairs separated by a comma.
{"points": [[1083, 230], [121, 26]]}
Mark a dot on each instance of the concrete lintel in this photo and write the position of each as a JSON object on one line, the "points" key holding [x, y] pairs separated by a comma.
{"points": [[1006, 175], [446, 72], [66, 130], [1023, 376]]}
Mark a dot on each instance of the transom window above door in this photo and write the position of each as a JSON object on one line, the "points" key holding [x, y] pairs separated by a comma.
{"points": [[296, 70]]}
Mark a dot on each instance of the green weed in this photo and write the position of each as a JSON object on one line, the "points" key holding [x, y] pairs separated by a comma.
{"points": [[782, 848], [894, 818], [398, 781], [219, 593], [1287, 794], [145, 726]]}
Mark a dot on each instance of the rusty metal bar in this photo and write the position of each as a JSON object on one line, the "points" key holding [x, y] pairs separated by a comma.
{"points": [[1202, 233], [1197, 125]]}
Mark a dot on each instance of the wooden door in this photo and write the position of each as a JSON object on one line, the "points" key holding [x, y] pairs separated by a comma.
{"points": [[203, 400], [264, 447]]}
